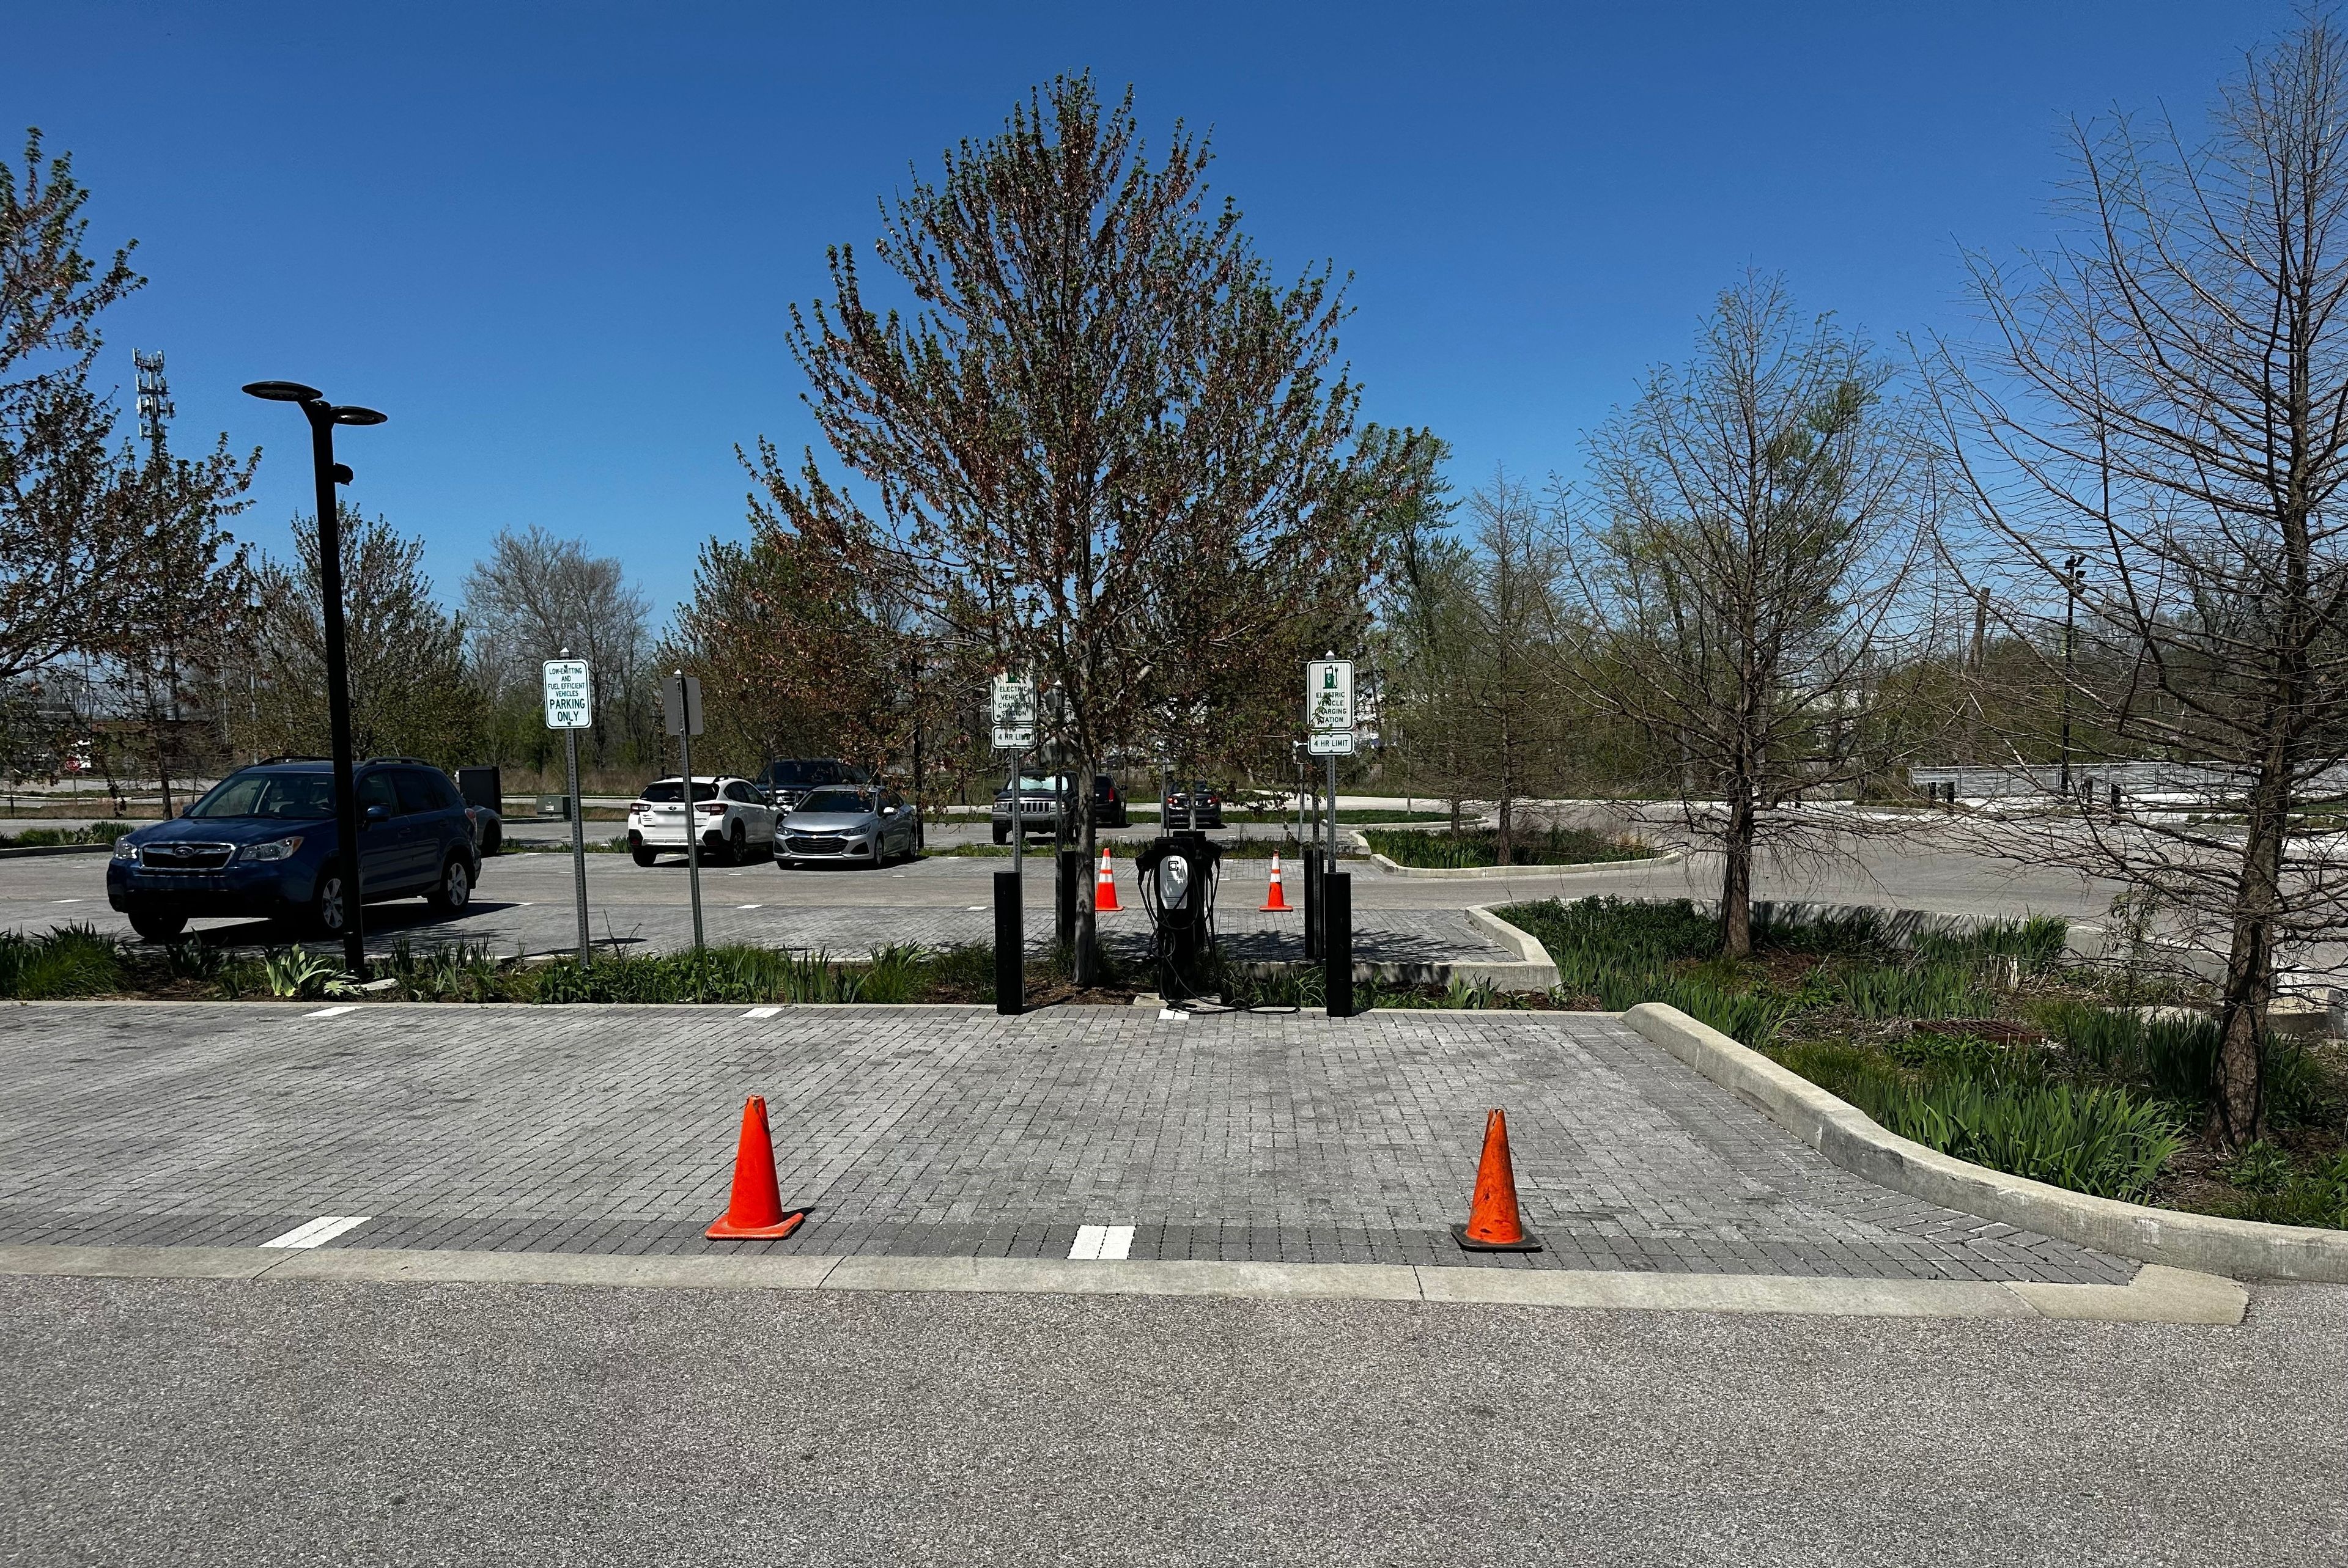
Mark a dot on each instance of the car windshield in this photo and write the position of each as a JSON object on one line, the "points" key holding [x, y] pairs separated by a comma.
{"points": [[1027, 781], [846, 800], [670, 790], [279, 797], [793, 774]]}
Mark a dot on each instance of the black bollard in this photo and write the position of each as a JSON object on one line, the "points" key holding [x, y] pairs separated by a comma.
{"points": [[1337, 941], [1010, 945]]}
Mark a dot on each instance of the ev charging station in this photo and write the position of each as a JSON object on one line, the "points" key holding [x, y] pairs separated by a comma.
{"points": [[1178, 874]]}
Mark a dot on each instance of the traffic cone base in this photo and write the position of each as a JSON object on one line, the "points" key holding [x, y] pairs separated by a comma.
{"points": [[1105, 888], [755, 1212], [1494, 1222], [1276, 902]]}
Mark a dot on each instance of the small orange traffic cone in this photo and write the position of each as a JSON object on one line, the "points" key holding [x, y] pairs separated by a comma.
{"points": [[1493, 1223], [1105, 888], [756, 1209], [1274, 901]]}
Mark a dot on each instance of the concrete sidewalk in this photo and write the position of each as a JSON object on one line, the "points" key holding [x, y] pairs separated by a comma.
{"points": [[933, 1132]]}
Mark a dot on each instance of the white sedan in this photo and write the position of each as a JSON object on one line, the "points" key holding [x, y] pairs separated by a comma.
{"points": [[735, 821]]}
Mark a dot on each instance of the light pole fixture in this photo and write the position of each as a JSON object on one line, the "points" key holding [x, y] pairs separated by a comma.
{"points": [[324, 417]]}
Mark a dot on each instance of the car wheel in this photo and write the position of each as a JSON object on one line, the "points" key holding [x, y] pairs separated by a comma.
{"points": [[492, 842], [643, 856], [1001, 837], [156, 927], [737, 847], [455, 889], [328, 909]]}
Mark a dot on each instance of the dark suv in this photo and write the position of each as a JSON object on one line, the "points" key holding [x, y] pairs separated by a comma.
{"points": [[786, 781], [261, 842]]}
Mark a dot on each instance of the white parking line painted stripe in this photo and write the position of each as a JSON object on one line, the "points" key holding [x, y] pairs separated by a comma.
{"points": [[69, 900], [334, 1011], [762, 1012], [1102, 1243], [325, 1228], [749, 905]]}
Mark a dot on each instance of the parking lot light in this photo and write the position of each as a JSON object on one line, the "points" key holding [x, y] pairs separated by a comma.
{"points": [[327, 473]]}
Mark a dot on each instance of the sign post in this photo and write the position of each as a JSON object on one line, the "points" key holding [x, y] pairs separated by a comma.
{"points": [[1329, 732], [571, 708], [1014, 707], [681, 709]]}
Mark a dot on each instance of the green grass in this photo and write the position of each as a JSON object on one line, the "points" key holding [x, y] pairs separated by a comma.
{"points": [[1478, 846]]}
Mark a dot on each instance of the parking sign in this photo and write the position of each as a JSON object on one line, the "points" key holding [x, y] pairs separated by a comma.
{"points": [[1329, 695], [570, 695], [1014, 714]]}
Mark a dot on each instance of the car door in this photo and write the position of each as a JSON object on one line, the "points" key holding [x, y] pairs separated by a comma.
{"points": [[757, 818], [384, 853], [434, 814]]}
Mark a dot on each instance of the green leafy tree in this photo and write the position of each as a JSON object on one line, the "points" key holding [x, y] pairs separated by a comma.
{"points": [[1102, 417]]}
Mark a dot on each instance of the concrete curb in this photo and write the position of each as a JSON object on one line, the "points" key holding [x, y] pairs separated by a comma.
{"points": [[1518, 873], [1849, 1138], [2158, 1295], [27, 851], [1534, 970]]}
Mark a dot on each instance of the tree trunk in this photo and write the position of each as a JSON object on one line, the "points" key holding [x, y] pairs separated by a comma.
{"points": [[1085, 960], [1736, 874], [2238, 1111]]}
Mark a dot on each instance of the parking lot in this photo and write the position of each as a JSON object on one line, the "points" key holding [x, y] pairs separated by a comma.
{"points": [[525, 900]]}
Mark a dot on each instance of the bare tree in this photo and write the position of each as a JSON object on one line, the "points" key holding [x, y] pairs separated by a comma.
{"points": [[1477, 635], [410, 691], [1103, 414], [1747, 573], [2167, 400], [534, 595]]}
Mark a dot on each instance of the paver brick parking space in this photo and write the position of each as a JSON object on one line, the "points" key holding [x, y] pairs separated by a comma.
{"points": [[936, 1132]]}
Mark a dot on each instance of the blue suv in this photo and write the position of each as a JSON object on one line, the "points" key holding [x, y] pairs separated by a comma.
{"points": [[262, 844]]}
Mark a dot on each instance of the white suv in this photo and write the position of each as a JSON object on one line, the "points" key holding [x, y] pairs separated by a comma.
{"points": [[736, 822]]}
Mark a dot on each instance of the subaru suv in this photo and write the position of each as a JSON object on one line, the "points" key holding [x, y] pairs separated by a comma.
{"points": [[262, 844]]}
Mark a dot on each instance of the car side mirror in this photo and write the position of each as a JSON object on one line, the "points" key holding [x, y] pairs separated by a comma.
{"points": [[377, 814], [888, 811]]}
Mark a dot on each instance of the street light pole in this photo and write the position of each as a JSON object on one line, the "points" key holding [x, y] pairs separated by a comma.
{"points": [[324, 417]]}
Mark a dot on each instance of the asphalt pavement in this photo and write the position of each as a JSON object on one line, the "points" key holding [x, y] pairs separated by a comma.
{"points": [[200, 1421], [526, 900]]}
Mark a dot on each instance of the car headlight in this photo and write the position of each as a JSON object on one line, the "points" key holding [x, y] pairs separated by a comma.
{"points": [[277, 849], [124, 849]]}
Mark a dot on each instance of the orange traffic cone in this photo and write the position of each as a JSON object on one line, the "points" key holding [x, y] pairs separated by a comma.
{"points": [[1274, 901], [756, 1210], [1493, 1223], [1105, 888]]}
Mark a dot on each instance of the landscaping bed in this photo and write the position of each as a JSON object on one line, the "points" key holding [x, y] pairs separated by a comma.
{"points": [[1480, 846], [1986, 1045], [76, 962], [64, 838]]}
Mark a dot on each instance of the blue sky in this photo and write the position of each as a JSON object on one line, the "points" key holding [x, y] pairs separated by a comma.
{"points": [[556, 243]]}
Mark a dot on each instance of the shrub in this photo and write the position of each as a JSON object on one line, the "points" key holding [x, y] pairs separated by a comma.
{"points": [[1481, 846], [2098, 1141], [1922, 991], [297, 972], [68, 961], [2318, 1197], [2036, 944]]}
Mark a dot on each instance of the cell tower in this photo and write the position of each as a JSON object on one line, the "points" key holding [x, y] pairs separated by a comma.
{"points": [[154, 397]]}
